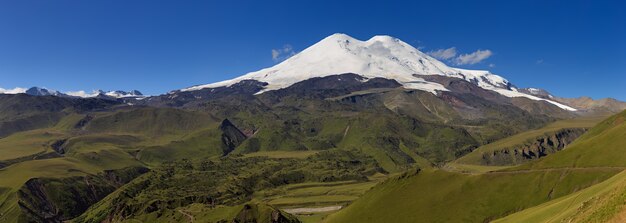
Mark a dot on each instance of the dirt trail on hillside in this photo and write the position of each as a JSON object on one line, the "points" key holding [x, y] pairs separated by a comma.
{"points": [[312, 210], [187, 214], [556, 169]]}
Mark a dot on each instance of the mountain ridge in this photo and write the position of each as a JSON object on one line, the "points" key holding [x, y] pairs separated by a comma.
{"points": [[41, 91], [381, 56]]}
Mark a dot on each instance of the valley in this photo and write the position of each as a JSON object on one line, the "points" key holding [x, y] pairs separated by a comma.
{"points": [[341, 132]]}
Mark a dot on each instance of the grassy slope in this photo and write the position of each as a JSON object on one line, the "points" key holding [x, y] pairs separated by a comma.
{"points": [[601, 147], [598, 203], [107, 142], [519, 139], [392, 141], [28, 143], [428, 196], [237, 178], [261, 213], [13, 177]]}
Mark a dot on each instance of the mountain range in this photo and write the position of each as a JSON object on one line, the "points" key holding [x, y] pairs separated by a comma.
{"points": [[365, 131], [379, 57]]}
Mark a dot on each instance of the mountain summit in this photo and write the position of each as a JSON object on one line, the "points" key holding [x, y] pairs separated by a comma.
{"points": [[379, 57]]}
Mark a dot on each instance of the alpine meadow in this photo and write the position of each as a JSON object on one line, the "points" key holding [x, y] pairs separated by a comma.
{"points": [[334, 127]]}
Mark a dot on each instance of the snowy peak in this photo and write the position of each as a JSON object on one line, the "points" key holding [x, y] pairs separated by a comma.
{"points": [[37, 91], [380, 56], [107, 94], [124, 94]]}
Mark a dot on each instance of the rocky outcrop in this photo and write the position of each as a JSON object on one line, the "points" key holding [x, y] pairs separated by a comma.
{"points": [[83, 122], [231, 136], [56, 200], [263, 213], [58, 146], [537, 148]]}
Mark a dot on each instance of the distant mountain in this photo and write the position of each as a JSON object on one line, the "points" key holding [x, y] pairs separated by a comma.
{"points": [[582, 104], [379, 57], [342, 114], [124, 94], [608, 105], [536, 92], [382, 57], [39, 91], [134, 94]]}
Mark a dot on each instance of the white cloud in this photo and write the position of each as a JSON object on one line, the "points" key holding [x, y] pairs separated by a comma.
{"points": [[492, 65], [540, 61], [443, 54], [473, 58], [282, 53], [16, 90], [82, 94]]}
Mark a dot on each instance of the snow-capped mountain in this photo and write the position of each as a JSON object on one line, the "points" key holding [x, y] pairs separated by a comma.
{"points": [[113, 94], [382, 57], [125, 94], [39, 91]]}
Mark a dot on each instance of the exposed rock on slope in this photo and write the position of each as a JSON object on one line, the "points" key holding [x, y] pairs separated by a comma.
{"points": [[56, 200], [231, 136], [534, 149], [262, 213]]}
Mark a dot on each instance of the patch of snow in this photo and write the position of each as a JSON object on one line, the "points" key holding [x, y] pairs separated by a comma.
{"points": [[511, 94], [425, 86]]}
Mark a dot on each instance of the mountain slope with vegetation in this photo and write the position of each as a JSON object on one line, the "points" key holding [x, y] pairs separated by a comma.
{"points": [[315, 132], [428, 195]]}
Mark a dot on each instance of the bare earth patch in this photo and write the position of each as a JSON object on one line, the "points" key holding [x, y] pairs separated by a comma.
{"points": [[312, 210]]}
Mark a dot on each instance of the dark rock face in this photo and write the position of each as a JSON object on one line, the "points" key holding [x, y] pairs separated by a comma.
{"points": [[83, 122], [536, 149], [461, 90], [57, 200], [231, 136], [190, 99], [58, 146], [327, 87], [461, 86], [536, 92], [253, 213]]}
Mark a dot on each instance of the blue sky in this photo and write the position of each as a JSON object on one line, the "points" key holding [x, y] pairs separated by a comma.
{"points": [[572, 48]]}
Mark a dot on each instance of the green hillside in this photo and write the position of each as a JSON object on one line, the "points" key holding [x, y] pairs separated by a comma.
{"points": [[107, 140], [527, 137], [429, 195], [602, 146], [603, 202], [322, 151]]}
